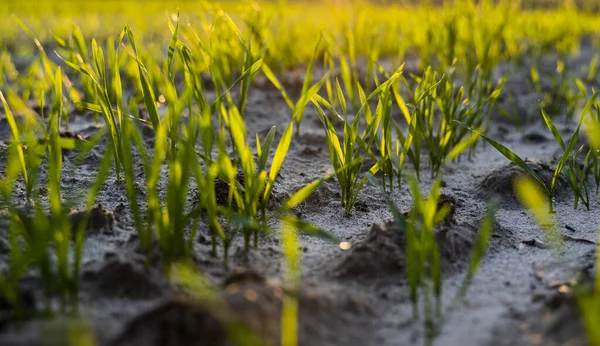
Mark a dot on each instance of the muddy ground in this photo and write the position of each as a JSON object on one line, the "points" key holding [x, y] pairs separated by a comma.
{"points": [[353, 297]]}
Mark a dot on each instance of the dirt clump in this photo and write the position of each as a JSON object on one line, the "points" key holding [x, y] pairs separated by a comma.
{"points": [[121, 278], [252, 306], [175, 322], [99, 220], [500, 181], [557, 321], [258, 304], [26, 301], [534, 138], [382, 254]]}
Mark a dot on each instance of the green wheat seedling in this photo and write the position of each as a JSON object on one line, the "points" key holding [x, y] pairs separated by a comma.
{"points": [[253, 196], [423, 261], [577, 177], [167, 223], [225, 223], [436, 104], [383, 113], [257, 187], [111, 110], [423, 108], [347, 155], [49, 244], [175, 148]]}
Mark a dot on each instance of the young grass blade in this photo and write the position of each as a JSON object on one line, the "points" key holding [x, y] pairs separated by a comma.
{"points": [[45, 61], [306, 97], [310, 229], [173, 47], [553, 129], [593, 133], [55, 151], [273, 79], [16, 137], [530, 195], [264, 150], [463, 145], [340, 97], [480, 246], [148, 93], [289, 310], [301, 195], [252, 70], [563, 160], [278, 158]]}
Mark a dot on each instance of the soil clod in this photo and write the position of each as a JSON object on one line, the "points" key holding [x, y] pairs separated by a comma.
{"points": [[500, 181], [121, 278]]}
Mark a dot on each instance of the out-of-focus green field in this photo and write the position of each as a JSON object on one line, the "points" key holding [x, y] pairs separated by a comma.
{"points": [[290, 30]]}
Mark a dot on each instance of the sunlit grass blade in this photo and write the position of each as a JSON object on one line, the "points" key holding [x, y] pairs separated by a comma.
{"points": [[532, 197], [173, 47], [480, 246], [301, 195], [289, 312], [264, 150], [278, 158], [148, 93], [277, 84], [16, 137], [553, 129]]}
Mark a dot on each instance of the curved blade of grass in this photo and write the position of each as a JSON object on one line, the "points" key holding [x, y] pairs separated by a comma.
{"points": [[593, 133], [563, 160], [273, 79], [252, 70], [45, 61], [306, 97], [529, 194], [173, 47], [463, 145], [290, 304], [310, 229], [480, 246], [16, 136], [265, 149], [553, 129], [301, 195], [278, 158], [333, 140], [148, 93]]}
